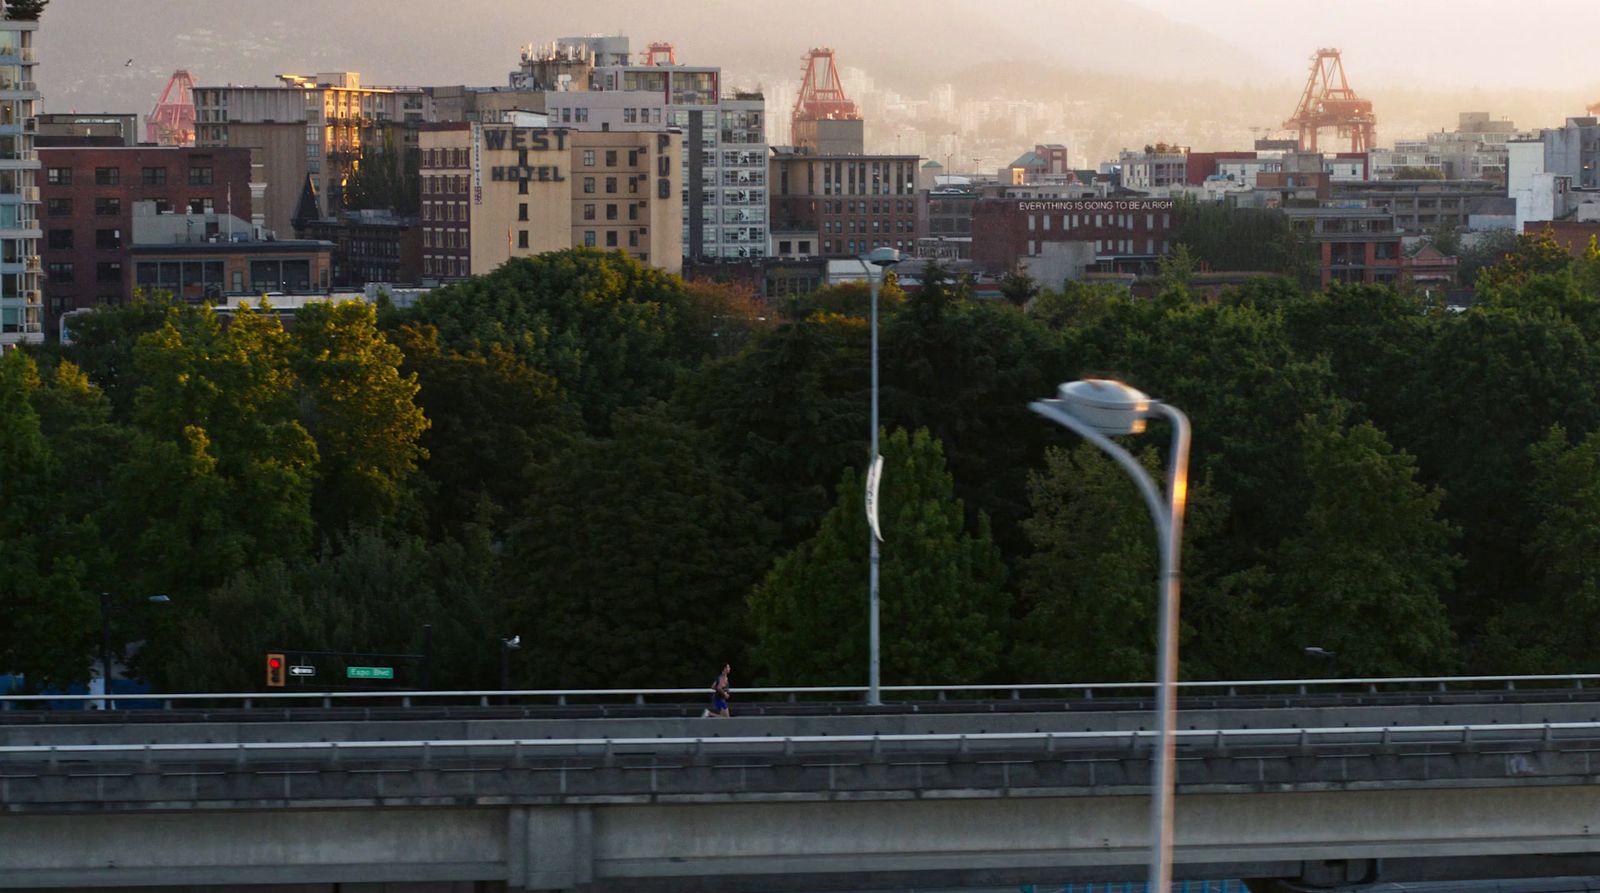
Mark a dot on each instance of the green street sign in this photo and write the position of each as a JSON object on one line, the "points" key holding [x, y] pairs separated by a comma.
{"points": [[369, 672]]}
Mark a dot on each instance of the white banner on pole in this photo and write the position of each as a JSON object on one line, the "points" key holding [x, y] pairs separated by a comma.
{"points": [[874, 476]]}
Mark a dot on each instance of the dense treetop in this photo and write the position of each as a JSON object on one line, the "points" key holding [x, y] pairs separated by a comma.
{"points": [[647, 478]]}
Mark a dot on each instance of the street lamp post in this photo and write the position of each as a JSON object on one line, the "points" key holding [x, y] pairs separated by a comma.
{"points": [[883, 258], [1096, 408], [105, 640], [506, 647]]}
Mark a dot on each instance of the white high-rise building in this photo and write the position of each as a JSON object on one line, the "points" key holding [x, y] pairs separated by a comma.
{"points": [[20, 305]]}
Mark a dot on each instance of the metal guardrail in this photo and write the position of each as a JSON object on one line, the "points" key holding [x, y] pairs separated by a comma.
{"points": [[1130, 739], [1080, 690]]}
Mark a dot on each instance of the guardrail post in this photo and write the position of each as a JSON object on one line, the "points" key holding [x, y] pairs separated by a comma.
{"points": [[788, 746], [238, 757], [561, 700], [427, 754], [638, 699], [247, 703], [405, 701], [1016, 694], [961, 746], [333, 753], [1049, 742]]}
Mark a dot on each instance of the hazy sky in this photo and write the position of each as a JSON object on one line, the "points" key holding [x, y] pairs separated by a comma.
{"points": [[1443, 43], [114, 55]]}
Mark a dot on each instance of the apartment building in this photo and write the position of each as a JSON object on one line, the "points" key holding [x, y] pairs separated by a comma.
{"points": [[308, 128], [21, 316], [1116, 234], [89, 195], [846, 205], [1352, 244], [491, 192]]}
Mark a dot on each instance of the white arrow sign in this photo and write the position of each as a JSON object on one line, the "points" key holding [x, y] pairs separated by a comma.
{"points": [[302, 671]]}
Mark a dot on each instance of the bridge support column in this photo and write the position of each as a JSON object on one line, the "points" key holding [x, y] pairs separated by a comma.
{"points": [[550, 847]]}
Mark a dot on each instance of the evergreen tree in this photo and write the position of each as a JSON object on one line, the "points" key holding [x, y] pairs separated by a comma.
{"points": [[25, 10], [49, 617], [943, 603], [631, 561], [1364, 575]]}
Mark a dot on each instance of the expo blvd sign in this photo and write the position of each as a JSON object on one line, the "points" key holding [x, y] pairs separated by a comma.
{"points": [[527, 140]]}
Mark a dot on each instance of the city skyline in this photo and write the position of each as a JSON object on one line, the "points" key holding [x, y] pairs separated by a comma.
{"points": [[108, 57]]}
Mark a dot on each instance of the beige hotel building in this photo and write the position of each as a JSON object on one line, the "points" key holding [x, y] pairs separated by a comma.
{"points": [[491, 192]]}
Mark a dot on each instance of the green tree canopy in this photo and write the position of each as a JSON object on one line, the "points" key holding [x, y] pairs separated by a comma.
{"points": [[1363, 577], [631, 560], [943, 603]]}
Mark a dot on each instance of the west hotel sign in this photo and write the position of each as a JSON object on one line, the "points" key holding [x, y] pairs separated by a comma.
{"points": [[524, 141], [534, 147]]}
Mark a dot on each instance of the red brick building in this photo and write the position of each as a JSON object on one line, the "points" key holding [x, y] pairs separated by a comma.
{"points": [[1123, 233], [87, 196], [842, 205], [1352, 244]]}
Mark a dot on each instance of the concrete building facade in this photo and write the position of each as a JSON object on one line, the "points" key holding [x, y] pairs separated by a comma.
{"points": [[173, 252], [314, 128], [1352, 244], [491, 192], [89, 196], [87, 129], [21, 311], [1120, 234], [846, 204]]}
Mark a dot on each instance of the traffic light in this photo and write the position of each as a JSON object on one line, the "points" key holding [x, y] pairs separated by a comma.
{"points": [[275, 671]]}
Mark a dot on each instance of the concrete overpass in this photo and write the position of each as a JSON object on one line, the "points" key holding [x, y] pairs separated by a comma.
{"points": [[1323, 795]]}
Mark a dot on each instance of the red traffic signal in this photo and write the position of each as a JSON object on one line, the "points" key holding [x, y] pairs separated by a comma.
{"points": [[275, 671]]}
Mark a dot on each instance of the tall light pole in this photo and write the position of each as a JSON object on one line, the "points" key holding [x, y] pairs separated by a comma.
{"points": [[1095, 408], [882, 258], [105, 640]]}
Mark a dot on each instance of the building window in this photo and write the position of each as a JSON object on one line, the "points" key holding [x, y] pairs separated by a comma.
{"points": [[633, 238], [580, 115], [199, 176], [108, 271], [611, 212], [522, 214], [630, 116], [522, 238], [588, 185], [522, 187], [611, 158], [202, 206], [108, 207], [588, 238], [59, 239], [108, 238], [611, 238], [588, 212], [805, 246], [58, 207], [611, 185], [107, 176], [588, 158], [566, 118], [154, 176], [633, 211], [59, 272], [59, 176]]}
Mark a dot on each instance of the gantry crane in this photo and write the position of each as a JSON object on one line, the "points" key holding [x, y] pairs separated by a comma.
{"points": [[1328, 101]]}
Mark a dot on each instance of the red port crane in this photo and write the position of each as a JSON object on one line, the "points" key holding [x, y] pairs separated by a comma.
{"points": [[1328, 101], [172, 121]]}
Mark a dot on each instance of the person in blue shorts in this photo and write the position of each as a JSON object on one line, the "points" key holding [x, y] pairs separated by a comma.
{"points": [[720, 693]]}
